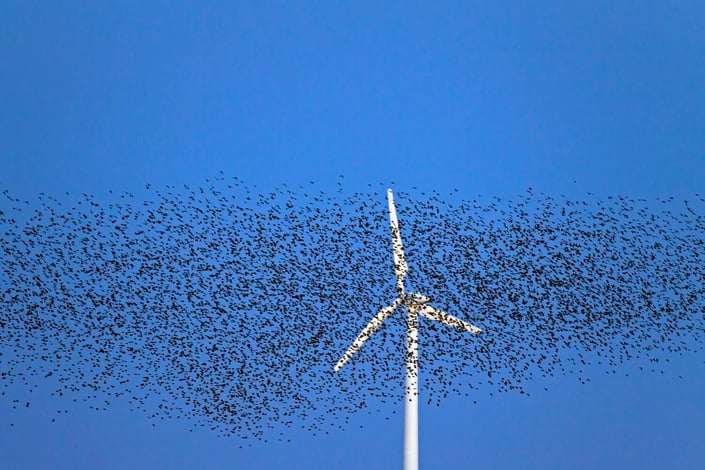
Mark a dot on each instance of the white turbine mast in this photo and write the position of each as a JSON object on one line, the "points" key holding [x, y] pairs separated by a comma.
{"points": [[416, 304]]}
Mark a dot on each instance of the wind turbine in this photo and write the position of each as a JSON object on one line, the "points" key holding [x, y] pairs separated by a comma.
{"points": [[416, 304]]}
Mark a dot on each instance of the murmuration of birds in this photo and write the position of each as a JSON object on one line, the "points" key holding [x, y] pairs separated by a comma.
{"points": [[227, 307]]}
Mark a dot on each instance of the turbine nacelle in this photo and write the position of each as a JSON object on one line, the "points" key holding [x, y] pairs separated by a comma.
{"points": [[416, 298]]}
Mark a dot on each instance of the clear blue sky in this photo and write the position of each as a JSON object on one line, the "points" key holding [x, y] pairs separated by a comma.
{"points": [[605, 97]]}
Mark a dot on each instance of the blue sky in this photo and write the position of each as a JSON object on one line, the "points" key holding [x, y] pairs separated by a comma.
{"points": [[603, 97]]}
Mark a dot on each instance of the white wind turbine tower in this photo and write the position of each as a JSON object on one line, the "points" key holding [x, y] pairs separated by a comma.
{"points": [[415, 304]]}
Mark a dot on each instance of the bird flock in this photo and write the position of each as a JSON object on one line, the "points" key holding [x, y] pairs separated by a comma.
{"points": [[228, 308]]}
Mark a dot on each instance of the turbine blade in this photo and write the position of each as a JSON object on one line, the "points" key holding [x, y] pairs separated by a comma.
{"points": [[400, 266], [430, 312], [367, 332]]}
